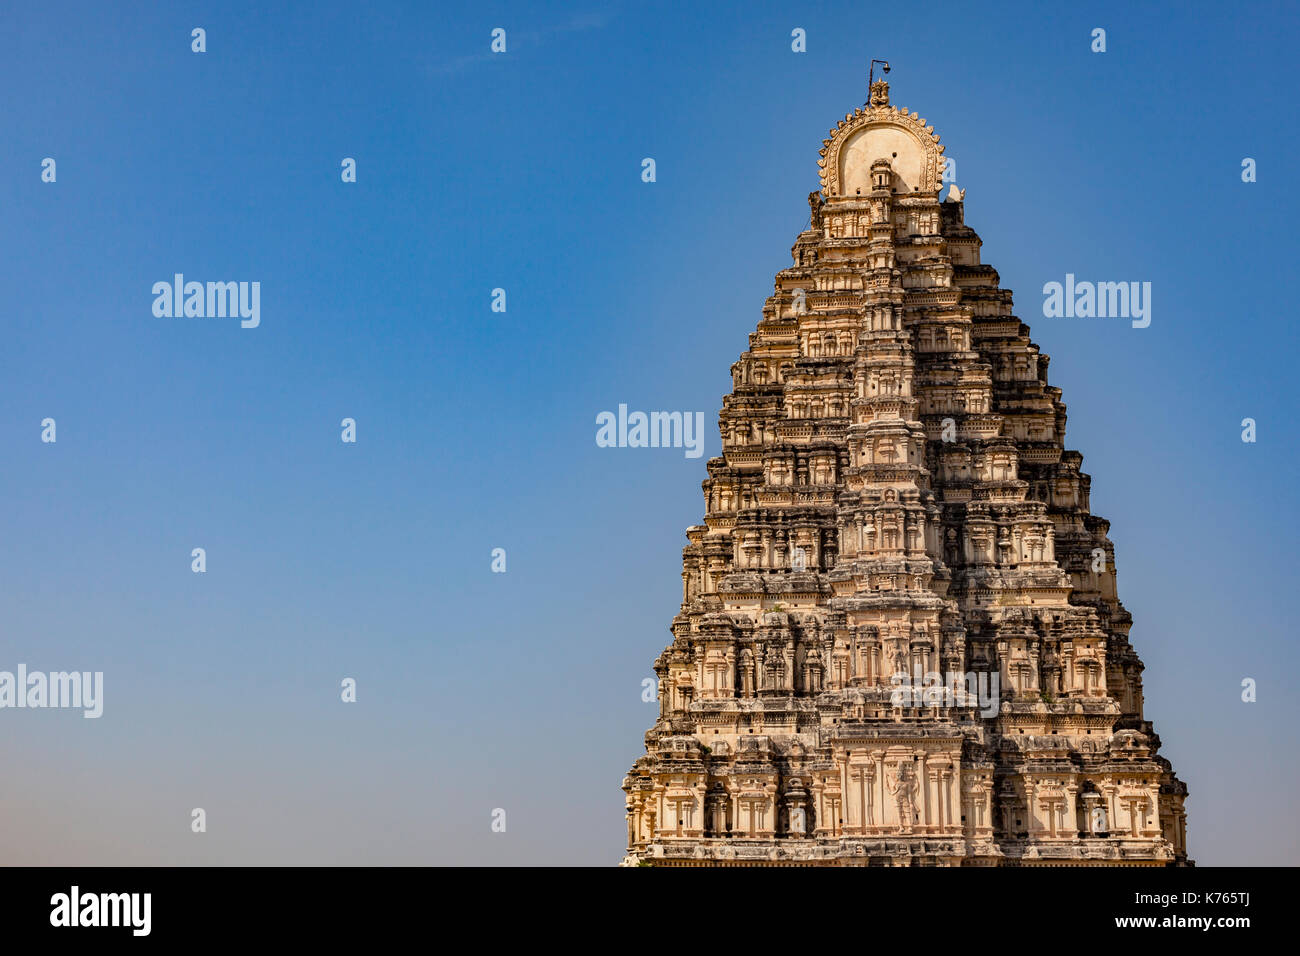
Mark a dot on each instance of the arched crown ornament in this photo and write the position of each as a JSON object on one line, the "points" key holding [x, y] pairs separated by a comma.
{"points": [[880, 131]]}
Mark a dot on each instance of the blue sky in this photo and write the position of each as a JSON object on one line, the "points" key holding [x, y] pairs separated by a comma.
{"points": [[476, 429]]}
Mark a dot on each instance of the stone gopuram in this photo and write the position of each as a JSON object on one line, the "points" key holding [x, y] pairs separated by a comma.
{"points": [[899, 640]]}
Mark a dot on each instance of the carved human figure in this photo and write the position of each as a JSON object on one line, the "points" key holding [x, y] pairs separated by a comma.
{"points": [[815, 209], [900, 659], [901, 783]]}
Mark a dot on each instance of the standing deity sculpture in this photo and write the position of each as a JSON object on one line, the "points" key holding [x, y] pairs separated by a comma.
{"points": [[901, 783]]}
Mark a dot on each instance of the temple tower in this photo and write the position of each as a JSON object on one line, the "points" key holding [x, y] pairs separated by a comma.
{"points": [[900, 639]]}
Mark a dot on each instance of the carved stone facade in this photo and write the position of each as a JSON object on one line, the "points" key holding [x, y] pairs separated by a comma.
{"points": [[895, 524]]}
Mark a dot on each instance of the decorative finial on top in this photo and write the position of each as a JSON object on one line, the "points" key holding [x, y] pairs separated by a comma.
{"points": [[878, 89]]}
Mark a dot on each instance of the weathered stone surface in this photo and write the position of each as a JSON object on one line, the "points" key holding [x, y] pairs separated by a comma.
{"points": [[894, 499]]}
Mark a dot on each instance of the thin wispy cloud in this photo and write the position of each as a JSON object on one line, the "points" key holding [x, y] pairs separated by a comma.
{"points": [[525, 40]]}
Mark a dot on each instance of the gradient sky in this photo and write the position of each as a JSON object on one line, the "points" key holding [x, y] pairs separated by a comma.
{"points": [[476, 429]]}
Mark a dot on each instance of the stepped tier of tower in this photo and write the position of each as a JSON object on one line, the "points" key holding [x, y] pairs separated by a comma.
{"points": [[899, 639]]}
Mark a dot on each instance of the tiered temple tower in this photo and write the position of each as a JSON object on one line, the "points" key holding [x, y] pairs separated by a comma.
{"points": [[899, 639]]}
